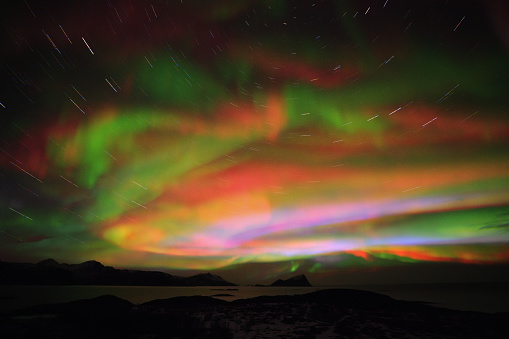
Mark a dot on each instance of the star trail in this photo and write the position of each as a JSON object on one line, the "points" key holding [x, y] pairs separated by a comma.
{"points": [[210, 134]]}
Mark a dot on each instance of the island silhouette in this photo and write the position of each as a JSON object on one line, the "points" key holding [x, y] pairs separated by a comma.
{"points": [[297, 281]]}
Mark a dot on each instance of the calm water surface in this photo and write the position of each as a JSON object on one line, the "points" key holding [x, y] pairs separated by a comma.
{"points": [[473, 297]]}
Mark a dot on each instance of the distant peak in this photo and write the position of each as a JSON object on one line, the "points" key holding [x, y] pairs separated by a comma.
{"points": [[91, 264], [297, 277], [48, 262], [208, 279], [209, 276], [298, 280]]}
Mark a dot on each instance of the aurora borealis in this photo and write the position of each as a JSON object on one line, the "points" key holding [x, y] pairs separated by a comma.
{"points": [[205, 135]]}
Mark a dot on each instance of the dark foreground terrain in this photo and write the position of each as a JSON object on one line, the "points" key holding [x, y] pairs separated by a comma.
{"points": [[322, 314]]}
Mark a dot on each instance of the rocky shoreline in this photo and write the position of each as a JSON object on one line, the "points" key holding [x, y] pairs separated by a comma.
{"points": [[321, 314]]}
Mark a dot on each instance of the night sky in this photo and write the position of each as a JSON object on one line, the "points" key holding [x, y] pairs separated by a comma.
{"points": [[257, 138]]}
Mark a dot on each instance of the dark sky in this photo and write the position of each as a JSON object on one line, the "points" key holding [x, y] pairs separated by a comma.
{"points": [[353, 141]]}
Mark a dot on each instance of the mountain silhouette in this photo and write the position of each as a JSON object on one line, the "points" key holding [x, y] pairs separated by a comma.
{"points": [[297, 281], [50, 272]]}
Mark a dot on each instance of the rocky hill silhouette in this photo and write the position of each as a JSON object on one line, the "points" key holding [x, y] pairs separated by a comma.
{"points": [[297, 281], [327, 313]]}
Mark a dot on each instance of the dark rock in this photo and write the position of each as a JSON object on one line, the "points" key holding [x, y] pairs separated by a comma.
{"points": [[48, 263], [326, 313], [297, 281], [102, 305]]}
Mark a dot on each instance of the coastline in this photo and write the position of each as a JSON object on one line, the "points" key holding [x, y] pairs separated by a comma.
{"points": [[321, 314], [484, 297]]}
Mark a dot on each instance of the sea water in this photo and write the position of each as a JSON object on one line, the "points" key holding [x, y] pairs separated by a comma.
{"points": [[484, 297]]}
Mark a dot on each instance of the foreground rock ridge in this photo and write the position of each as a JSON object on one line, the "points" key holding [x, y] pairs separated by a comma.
{"points": [[50, 272], [338, 313]]}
